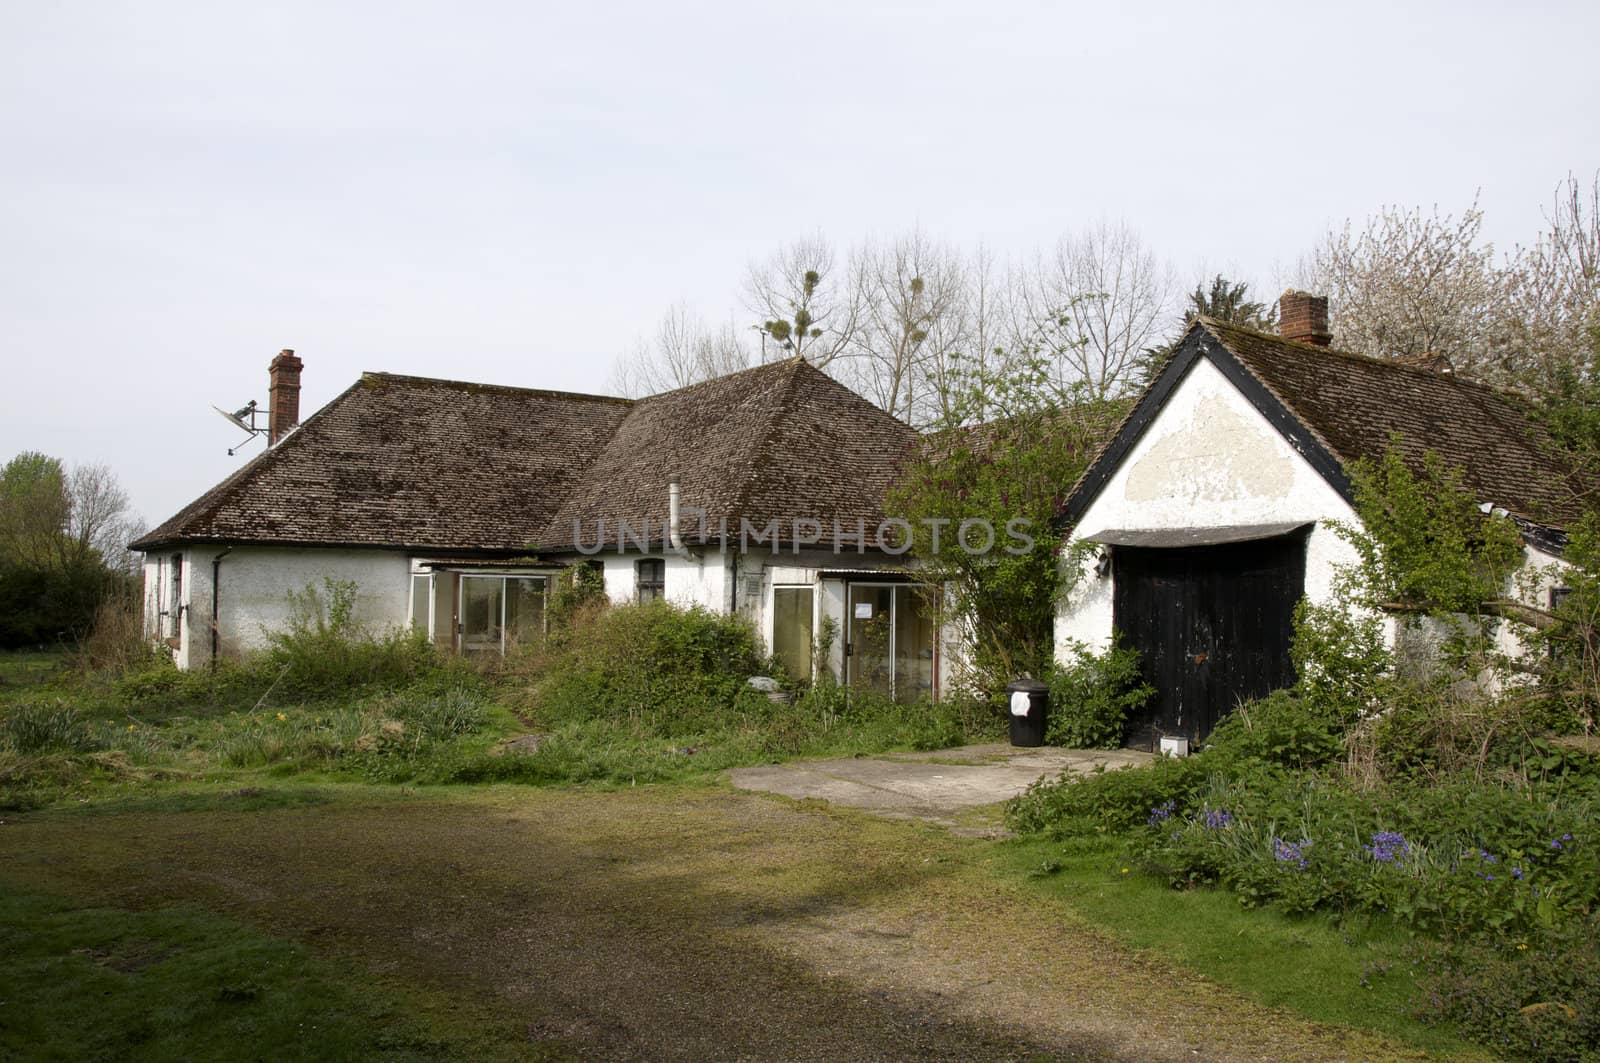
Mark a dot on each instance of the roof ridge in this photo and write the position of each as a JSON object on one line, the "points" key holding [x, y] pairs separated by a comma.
{"points": [[763, 443], [1356, 356], [748, 370], [472, 385]]}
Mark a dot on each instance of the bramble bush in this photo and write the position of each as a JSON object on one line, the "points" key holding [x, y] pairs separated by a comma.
{"points": [[662, 669], [1092, 698]]}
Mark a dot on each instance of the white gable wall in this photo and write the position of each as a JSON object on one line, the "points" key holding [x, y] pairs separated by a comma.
{"points": [[254, 591], [1208, 459]]}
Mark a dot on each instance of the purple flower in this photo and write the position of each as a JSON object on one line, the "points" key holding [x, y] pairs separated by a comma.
{"points": [[1161, 813], [1388, 846], [1555, 843], [1217, 819], [1516, 873], [1286, 852]]}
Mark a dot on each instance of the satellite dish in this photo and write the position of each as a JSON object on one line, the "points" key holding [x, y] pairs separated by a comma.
{"points": [[244, 418]]}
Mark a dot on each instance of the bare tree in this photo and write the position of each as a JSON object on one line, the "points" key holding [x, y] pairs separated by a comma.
{"points": [[808, 305], [98, 520], [914, 320], [682, 351], [1105, 288], [990, 326]]}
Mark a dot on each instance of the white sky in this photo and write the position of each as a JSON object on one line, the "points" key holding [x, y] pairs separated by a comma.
{"points": [[511, 192]]}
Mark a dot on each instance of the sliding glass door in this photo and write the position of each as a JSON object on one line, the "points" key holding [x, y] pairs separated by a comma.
{"points": [[891, 640], [499, 614]]}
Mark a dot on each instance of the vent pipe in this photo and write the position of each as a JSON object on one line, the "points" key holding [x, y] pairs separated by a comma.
{"points": [[674, 517]]}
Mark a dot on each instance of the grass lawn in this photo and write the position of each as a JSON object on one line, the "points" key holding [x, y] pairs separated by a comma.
{"points": [[179, 879], [1356, 974], [183, 983], [668, 921]]}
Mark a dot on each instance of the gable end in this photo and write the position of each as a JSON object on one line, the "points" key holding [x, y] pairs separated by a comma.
{"points": [[1196, 345]]}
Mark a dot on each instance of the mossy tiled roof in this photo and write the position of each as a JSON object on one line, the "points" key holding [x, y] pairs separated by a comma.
{"points": [[443, 465]]}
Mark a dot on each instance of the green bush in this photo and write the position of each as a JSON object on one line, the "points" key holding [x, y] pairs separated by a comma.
{"points": [[1108, 801], [1092, 698], [323, 652], [663, 669], [1280, 729], [1535, 1000]]}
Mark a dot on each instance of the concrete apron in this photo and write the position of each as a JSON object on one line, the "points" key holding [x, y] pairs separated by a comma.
{"points": [[943, 787]]}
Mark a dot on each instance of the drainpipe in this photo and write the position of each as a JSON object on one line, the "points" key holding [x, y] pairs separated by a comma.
{"points": [[216, 590], [674, 518]]}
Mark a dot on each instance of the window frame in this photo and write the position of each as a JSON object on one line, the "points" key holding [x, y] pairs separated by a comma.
{"points": [[649, 589]]}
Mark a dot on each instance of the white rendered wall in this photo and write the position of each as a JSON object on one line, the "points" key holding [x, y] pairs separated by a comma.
{"points": [[1209, 459], [690, 580], [255, 587]]}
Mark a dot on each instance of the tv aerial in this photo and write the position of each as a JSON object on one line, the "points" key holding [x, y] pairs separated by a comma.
{"points": [[244, 418]]}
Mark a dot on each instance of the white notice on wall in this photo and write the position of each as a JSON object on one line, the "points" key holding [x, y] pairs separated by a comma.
{"points": [[863, 610]]}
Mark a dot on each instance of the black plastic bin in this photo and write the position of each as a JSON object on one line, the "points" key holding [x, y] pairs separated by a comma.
{"points": [[1028, 708]]}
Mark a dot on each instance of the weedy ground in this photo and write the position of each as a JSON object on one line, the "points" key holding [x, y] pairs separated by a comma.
{"points": [[667, 921]]}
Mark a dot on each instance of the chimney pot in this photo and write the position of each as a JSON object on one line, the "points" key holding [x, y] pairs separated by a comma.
{"points": [[1303, 317], [283, 395]]}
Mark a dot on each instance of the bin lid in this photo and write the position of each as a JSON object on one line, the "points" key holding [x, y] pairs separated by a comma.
{"points": [[1027, 686]]}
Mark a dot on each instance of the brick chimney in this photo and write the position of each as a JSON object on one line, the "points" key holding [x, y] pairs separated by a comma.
{"points": [[1303, 317], [283, 401]]}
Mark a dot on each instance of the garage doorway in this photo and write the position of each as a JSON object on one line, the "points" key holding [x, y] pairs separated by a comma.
{"points": [[1212, 625]]}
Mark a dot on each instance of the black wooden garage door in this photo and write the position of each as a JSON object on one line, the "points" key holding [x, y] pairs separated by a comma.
{"points": [[1211, 624]]}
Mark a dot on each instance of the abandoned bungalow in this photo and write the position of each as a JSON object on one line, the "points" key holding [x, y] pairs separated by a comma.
{"points": [[452, 507], [1212, 502]]}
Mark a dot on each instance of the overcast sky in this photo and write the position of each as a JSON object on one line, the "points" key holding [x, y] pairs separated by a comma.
{"points": [[512, 192]]}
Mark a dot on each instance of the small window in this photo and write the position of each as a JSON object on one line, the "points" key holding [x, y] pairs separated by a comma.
{"points": [[650, 579], [175, 607], [1558, 653]]}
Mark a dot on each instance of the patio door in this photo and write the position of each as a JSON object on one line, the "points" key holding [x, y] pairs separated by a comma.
{"points": [[483, 602], [890, 644], [500, 613]]}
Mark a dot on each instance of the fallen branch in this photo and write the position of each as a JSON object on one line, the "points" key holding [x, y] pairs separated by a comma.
{"points": [[1506, 608]]}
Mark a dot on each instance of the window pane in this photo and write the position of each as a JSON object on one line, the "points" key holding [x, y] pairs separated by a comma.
{"points": [[481, 601], [913, 643], [444, 609], [791, 629], [419, 603], [525, 600], [650, 578], [868, 639]]}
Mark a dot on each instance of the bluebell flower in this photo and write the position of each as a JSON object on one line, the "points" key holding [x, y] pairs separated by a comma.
{"points": [[1291, 852], [1161, 813], [1516, 873], [1388, 846]]}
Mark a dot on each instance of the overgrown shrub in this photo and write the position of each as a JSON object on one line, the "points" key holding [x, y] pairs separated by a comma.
{"points": [[663, 669], [1109, 801], [1533, 1000], [1092, 698], [324, 651], [1281, 729]]}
